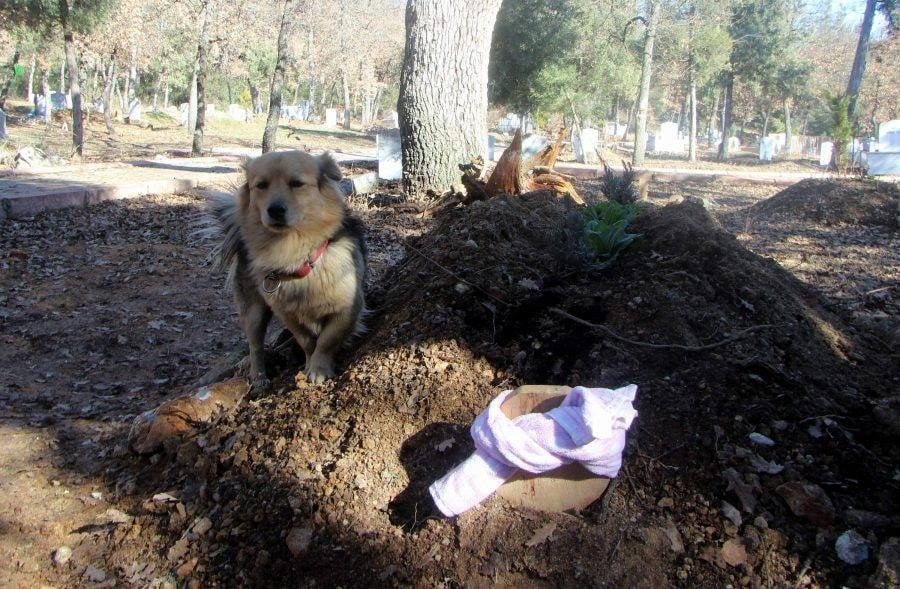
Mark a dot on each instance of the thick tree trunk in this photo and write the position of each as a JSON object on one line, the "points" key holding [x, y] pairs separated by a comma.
{"points": [[765, 129], [727, 115], [107, 98], [443, 90], [640, 128], [788, 135], [859, 61], [74, 79], [202, 48], [692, 137], [268, 140]]}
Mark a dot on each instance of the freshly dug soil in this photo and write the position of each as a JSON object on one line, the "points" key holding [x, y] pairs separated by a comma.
{"points": [[835, 202], [326, 485]]}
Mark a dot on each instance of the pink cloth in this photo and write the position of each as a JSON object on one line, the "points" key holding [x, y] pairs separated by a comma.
{"points": [[588, 427]]}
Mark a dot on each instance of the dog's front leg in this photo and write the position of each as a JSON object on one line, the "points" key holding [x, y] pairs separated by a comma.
{"points": [[335, 331], [255, 316]]}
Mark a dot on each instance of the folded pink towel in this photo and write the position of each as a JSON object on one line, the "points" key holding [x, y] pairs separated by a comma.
{"points": [[588, 427]]}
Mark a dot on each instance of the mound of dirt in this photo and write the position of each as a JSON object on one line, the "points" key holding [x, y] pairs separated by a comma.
{"points": [[835, 202], [327, 484]]}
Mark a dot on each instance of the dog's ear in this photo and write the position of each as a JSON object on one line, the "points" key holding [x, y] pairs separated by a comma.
{"points": [[328, 169]]}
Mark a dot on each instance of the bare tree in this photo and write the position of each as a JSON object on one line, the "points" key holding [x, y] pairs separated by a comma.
{"points": [[640, 127], [268, 141]]}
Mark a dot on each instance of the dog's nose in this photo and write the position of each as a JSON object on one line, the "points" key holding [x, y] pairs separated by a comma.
{"points": [[277, 212]]}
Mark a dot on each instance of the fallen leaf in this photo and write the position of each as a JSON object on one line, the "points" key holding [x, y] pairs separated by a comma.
{"points": [[542, 535]]}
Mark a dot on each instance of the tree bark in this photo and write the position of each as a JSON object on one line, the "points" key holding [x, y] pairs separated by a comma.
{"points": [[48, 104], [711, 124], [727, 115], [254, 96], [788, 135], [347, 107], [74, 79], [30, 88], [107, 98], [765, 129], [268, 140], [4, 92], [692, 138], [202, 48], [640, 127], [62, 74], [859, 61], [443, 89]]}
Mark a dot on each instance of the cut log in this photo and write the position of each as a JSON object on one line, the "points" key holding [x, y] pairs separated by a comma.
{"points": [[556, 183], [506, 177]]}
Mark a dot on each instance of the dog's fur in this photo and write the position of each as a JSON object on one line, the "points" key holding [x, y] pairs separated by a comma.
{"points": [[288, 206]]}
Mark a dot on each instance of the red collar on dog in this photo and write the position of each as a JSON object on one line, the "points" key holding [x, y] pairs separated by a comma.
{"points": [[310, 263], [273, 280]]}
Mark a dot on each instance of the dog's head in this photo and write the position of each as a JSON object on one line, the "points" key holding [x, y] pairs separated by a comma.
{"points": [[293, 191]]}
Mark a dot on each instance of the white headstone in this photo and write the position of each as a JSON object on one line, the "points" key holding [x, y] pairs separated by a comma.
{"points": [[590, 143], [889, 136], [237, 112], [2, 124], [331, 118], [667, 140], [489, 148], [390, 159], [778, 142], [577, 146], [734, 144], [532, 144], [134, 111], [509, 123], [612, 129], [825, 153], [391, 120], [766, 149]]}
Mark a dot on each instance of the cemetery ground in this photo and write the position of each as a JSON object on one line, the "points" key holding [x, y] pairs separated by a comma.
{"points": [[783, 300]]}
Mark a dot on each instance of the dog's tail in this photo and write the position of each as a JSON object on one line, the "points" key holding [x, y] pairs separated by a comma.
{"points": [[220, 222]]}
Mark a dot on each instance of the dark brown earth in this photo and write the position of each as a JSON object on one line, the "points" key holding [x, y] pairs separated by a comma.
{"points": [[325, 485]]}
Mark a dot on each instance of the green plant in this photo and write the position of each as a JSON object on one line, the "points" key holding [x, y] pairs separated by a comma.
{"points": [[605, 229], [841, 130]]}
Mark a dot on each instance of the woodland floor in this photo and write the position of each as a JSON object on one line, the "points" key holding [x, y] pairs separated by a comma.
{"points": [[109, 310]]}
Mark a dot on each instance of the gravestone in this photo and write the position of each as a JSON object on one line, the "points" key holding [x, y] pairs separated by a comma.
{"points": [[734, 144], [134, 111], [60, 101], [577, 146], [590, 142], [184, 114], [889, 136], [531, 145], [331, 118], [391, 120], [766, 149], [612, 129], [489, 144], [667, 140], [237, 112], [825, 153], [390, 162], [2, 124]]}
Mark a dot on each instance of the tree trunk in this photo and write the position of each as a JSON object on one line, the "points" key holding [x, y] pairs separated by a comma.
{"points": [[268, 140], [192, 101], [726, 115], [711, 125], [202, 48], [254, 96], [30, 87], [640, 130], [166, 96], [347, 107], [765, 129], [107, 98], [129, 82], [859, 61], [443, 89], [48, 104], [4, 92], [692, 137], [74, 81], [788, 135], [62, 74]]}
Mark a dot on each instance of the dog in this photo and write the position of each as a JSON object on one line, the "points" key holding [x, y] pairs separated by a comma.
{"points": [[293, 250]]}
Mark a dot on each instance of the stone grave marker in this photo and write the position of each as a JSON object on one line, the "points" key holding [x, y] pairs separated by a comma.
{"points": [[331, 118], [766, 149], [825, 153], [489, 148], [134, 111], [667, 140], [886, 160], [390, 162], [590, 142], [2, 124]]}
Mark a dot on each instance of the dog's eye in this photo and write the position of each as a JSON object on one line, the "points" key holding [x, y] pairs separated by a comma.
{"points": [[295, 183], [262, 184]]}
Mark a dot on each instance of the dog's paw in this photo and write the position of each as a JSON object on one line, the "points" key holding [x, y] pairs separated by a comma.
{"points": [[319, 370]]}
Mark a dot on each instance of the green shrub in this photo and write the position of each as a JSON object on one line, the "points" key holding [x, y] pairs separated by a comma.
{"points": [[605, 229]]}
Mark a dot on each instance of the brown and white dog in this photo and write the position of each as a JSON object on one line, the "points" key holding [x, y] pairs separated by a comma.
{"points": [[295, 251]]}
